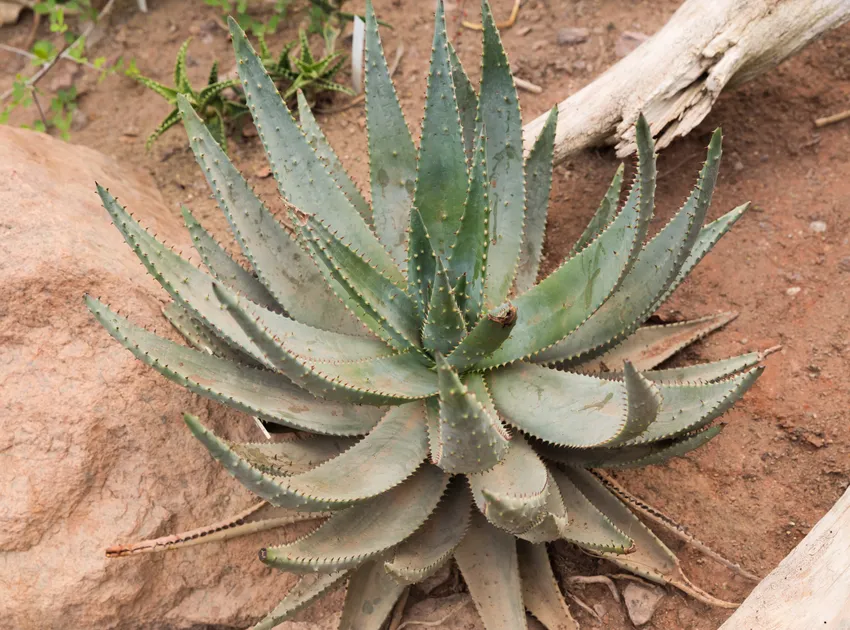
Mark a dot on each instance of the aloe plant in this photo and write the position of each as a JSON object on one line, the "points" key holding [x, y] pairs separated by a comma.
{"points": [[208, 102], [304, 72], [443, 404]]}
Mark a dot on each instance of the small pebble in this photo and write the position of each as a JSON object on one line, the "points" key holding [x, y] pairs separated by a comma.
{"points": [[572, 35], [792, 291], [818, 227]]}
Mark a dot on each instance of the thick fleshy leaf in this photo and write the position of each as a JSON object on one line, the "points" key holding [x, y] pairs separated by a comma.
{"points": [[589, 525], [432, 544], [635, 456], [558, 305], [201, 338], [538, 183], [512, 494], [400, 376], [307, 590], [540, 591], [181, 78], [644, 400], [361, 532], [422, 264], [292, 453], [441, 175], [281, 264], [498, 111], [444, 327], [708, 372], [223, 267], [554, 521], [487, 559], [270, 396], [366, 470], [650, 346], [471, 437], [364, 284], [260, 517], [485, 338], [392, 155], [559, 407], [302, 178], [469, 254], [370, 598], [689, 407], [650, 558], [316, 139], [467, 102], [653, 274], [604, 214]]}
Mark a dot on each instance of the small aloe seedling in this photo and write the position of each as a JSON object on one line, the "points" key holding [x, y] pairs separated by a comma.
{"points": [[444, 404], [304, 72], [209, 103]]}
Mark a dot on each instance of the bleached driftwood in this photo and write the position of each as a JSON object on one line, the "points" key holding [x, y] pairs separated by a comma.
{"points": [[811, 587], [675, 77]]}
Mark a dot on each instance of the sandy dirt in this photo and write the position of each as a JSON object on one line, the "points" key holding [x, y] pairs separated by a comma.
{"points": [[782, 461]]}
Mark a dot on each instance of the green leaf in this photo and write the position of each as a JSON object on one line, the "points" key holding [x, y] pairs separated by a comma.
{"points": [[636, 456], [181, 79], [370, 598], [388, 455], [707, 372], [467, 103], [433, 543], [308, 589], [422, 265], [392, 155], [555, 307], [513, 493], [487, 558], [538, 181], [555, 518], [689, 407], [469, 254], [169, 94], [471, 437], [644, 400], [441, 176], [485, 338], [361, 532], [559, 407], [540, 591], [302, 178], [650, 346], [590, 526], [172, 119], [293, 453], [297, 284], [212, 77], [320, 144], [649, 282], [360, 281], [207, 95], [202, 338], [498, 110], [604, 214], [444, 327], [223, 267], [257, 392]]}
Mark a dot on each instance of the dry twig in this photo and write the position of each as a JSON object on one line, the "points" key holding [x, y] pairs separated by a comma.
{"points": [[499, 25], [528, 86], [439, 622], [831, 120], [596, 579]]}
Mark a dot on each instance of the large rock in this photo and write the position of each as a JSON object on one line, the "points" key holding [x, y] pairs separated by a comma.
{"points": [[93, 450]]}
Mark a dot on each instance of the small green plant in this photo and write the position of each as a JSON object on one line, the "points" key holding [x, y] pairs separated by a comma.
{"points": [[239, 11], [304, 72], [443, 404], [25, 93], [209, 103]]}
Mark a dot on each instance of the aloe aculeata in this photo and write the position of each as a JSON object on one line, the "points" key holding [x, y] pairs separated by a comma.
{"points": [[444, 404]]}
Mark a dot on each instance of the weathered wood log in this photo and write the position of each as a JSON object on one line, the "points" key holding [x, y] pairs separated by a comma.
{"points": [[811, 587], [675, 77]]}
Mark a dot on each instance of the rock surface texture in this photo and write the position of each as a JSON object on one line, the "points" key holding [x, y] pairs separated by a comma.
{"points": [[93, 450]]}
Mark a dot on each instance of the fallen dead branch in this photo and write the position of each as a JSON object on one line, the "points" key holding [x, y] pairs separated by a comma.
{"points": [[676, 76]]}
